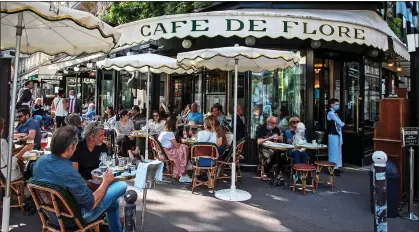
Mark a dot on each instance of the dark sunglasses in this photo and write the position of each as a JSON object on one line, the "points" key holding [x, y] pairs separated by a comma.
{"points": [[295, 121], [155, 116], [20, 116]]}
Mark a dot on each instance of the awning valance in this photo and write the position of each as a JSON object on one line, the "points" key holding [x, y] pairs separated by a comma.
{"points": [[52, 69], [351, 26]]}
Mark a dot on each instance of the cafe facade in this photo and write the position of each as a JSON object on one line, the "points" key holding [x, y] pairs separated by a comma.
{"points": [[342, 52]]}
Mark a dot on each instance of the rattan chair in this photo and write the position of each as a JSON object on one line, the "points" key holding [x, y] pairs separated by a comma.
{"points": [[52, 200], [16, 189], [159, 154], [204, 157], [223, 165]]}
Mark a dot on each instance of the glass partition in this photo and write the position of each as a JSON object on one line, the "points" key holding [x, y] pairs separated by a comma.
{"points": [[279, 93], [372, 93], [352, 75]]}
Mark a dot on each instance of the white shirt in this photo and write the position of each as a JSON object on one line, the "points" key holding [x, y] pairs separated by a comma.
{"points": [[155, 127], [59, 107], [207, 136], [16, 174], [165, 138]]}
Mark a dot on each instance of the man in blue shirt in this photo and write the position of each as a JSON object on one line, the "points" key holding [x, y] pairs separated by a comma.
{"points": [[195, 116], [56, 168], [29, 127]]}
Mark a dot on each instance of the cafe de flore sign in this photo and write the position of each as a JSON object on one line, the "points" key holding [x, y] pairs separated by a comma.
{"points": [[361, 27]]}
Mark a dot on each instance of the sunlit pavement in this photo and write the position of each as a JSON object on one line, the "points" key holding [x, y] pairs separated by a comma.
{"points": [[172, 207]]}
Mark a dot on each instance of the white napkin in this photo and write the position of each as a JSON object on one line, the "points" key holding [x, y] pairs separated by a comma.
{"points": [[141, 174]]}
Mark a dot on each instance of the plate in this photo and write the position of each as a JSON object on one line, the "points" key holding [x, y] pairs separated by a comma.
{"points": [[29, 154]]}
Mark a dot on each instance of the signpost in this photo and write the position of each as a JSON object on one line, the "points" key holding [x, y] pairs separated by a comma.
{"points": [[410, 136]]}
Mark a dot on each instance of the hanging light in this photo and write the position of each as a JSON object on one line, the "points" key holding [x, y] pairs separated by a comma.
{"points": [[186, 43], [315, 44], [76, 69], [65, 71], [399, 67], [373, 53], [250, 41]]}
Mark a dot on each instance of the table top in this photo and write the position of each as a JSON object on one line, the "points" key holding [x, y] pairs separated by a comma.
{"points": [[188, 141], [278, 146], [33, 155], [311, 146], [123, 175]]}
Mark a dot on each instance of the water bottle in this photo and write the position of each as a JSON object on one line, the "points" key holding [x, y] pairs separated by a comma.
{"points": [[113, 161]]}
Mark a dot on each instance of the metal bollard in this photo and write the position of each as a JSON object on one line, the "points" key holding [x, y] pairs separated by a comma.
{"points": [[130, 211], [410, 215], [380, 191]]}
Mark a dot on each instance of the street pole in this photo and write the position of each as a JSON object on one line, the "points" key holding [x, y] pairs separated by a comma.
{"points": [[130, 211], [380, 191], [409, 215]]}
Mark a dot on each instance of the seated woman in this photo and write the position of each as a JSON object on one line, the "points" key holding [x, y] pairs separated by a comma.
{"points": [[16, 173], [90, 112], [39, 114], [296, 135], [175, 151], [109, 115], [156, 124], [209, 134], [123, 129]]}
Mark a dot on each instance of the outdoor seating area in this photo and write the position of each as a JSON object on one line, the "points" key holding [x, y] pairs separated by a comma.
{"points": [[149, 129]]}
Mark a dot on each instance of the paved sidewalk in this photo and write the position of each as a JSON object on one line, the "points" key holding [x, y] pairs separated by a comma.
{"points": [[172, 207]]}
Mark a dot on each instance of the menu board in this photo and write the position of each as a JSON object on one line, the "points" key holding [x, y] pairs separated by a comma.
{"points": [[410, 136]]}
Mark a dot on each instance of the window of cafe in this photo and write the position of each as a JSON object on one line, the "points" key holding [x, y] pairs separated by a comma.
{"points": [[279, 93], [107, 92], [126, 84], [216, 90], [371, 93]]}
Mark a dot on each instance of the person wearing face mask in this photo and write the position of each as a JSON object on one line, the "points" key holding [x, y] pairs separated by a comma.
{"points": [[268, 132], [74, 104], [334, 129]]}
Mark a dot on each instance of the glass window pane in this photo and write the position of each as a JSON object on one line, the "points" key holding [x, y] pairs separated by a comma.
{"points": [[279, 93]]}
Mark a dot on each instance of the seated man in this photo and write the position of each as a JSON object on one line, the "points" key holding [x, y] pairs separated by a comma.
{"points": [[269, 132], [28, 126], [87, 155], [56, 168], [296, 135]]}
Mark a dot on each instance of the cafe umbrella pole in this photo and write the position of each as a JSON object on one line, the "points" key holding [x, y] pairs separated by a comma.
{"points": [[147, 113], [6, 199], [234, 194]]}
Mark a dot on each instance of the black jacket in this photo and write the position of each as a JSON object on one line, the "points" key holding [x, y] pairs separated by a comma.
{"points": [[241, 129]]}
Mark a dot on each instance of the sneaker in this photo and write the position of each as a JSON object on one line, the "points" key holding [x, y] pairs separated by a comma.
{"points": [[185, 179]]}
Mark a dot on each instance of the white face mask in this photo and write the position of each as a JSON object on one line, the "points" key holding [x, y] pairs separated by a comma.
{"points": [[71, 96]]}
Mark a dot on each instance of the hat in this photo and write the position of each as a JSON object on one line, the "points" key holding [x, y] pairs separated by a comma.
{"points": [[301, 126]]}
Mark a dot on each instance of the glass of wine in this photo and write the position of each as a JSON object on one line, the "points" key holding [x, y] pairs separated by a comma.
{"points": [[44, 144]]}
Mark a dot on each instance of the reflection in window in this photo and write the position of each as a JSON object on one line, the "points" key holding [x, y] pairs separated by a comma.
{"points": [[279, 93], [372, 93]]}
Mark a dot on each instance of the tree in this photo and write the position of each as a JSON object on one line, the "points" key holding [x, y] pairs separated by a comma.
{"points": [[125, 12]]}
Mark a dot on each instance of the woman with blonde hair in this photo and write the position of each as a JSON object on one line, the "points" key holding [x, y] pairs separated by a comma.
{"points": [[212, 133], [176, 152]]}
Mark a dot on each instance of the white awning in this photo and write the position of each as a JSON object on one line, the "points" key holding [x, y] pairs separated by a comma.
{"points": [[351, 26], [52, 69]]}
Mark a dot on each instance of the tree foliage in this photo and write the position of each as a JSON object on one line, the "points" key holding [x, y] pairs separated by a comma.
{"points": [[125, 12]]}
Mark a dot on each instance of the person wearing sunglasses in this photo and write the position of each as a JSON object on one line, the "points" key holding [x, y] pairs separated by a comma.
{"points": [[269, 132], [334, 129], [289, 134], [29, 127], [156, 124]]}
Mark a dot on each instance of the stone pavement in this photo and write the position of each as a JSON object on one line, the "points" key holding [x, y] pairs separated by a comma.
{"points": [[172, 207]]}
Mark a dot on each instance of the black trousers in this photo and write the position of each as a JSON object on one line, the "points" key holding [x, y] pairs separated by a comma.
{"points": [[126, 144], [59, 120]]}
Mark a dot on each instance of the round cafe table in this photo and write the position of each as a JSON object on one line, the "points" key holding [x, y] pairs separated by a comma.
{"points": [[314, 147], [32, 156], [98, 175], [277, 147]]}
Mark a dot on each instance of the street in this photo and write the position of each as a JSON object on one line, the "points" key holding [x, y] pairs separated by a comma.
{"points": [[172, 207]]}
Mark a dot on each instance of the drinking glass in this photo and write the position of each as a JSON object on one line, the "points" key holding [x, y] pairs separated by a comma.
{"points": [[30, 141], [44, 143]]}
